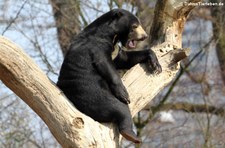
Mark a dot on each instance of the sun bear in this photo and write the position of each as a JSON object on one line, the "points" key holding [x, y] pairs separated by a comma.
{"points": [[89, 77]]}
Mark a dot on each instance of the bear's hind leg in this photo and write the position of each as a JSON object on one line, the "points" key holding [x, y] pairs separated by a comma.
{"points": [[124, 122]]}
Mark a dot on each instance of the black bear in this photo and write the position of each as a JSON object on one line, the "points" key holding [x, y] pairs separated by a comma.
{"points": [[89, 76]]}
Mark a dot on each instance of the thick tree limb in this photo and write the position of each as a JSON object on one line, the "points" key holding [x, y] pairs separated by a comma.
{"points": [[70, 127]]}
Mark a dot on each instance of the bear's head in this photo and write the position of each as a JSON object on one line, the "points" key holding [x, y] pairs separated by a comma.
{"points": [[127, 28]]}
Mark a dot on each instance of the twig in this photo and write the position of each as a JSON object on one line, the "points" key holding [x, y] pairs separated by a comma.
{"points": [[13, 20]]}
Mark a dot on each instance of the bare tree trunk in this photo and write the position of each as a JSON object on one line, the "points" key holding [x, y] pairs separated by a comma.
{"points": [[72, 128], [66, 14], [218, 14]]}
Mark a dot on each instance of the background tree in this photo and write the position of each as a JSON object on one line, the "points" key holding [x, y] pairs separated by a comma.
{"points": [[66, 15], [218, 19]]}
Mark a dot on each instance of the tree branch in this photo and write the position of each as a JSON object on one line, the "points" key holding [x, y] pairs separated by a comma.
{"points": [[192, 108], [70, 127]]}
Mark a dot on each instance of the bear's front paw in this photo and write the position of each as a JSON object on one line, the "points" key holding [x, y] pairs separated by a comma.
{"points": [[154, 67], [153, 64], [120, 92]]}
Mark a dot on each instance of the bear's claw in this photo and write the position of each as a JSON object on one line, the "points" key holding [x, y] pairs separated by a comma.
{"points": [[130, 135]]}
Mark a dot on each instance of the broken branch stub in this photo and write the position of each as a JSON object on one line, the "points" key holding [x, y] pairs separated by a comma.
{"points": [[172, 57]]}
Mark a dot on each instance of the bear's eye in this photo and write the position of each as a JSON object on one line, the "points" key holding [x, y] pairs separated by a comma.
{"points": [[134, 26]]}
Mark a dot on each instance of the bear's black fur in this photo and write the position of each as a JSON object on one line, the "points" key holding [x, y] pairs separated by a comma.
{"points": [[88, 75]]}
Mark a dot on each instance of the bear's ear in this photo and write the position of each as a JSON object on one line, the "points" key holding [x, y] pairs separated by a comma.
{"points": [[117, 13]]}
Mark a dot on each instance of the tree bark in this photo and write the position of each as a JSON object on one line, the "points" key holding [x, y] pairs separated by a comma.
{"points": [[72, 128]]}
